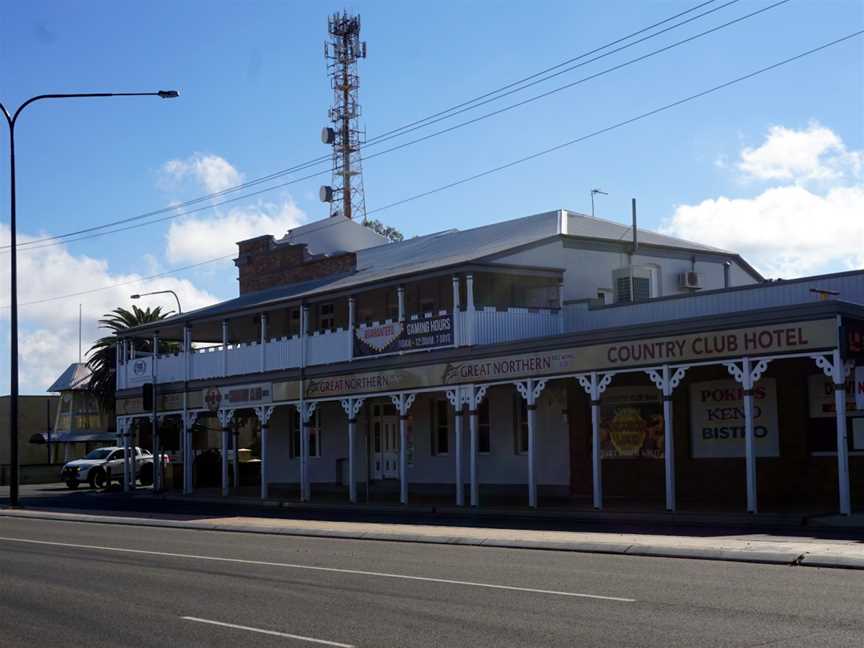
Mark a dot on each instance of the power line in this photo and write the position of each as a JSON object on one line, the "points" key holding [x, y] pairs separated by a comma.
{"points": [[52, 241], [382, 137], [618, 125], [514, 162], [122, 283]]}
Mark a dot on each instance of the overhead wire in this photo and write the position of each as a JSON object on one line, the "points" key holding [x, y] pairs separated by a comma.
{"points": [[521, 160], [53, 241]]}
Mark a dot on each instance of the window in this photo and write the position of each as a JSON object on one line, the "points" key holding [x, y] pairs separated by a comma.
{"points": [[484, 428], [326, 317], [440, 420], [520, 424], [314, 435]]}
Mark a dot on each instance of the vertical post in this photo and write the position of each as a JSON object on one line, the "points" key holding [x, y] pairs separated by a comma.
{"points": [[157, 451], [352, 480], [460, 486], [668, 440], [473, 446], [403, 450], [532, 423], [596, 459], [263, 342], [225, 347], [224, 453], [304, 461], [839, 379], [749, 449], [457, 314], [265, 440], [120, 426], [400, 295], [304, 332], [236, 455], [469, 307], [352, 323]]}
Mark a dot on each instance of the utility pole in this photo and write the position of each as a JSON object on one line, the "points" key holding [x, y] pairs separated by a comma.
{"points": [[342, 51]]}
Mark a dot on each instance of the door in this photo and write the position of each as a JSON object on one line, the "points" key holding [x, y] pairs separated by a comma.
{"points": [[385, 439]]}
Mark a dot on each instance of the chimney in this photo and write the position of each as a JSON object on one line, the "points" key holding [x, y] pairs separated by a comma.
{"points": [[562, 222]]}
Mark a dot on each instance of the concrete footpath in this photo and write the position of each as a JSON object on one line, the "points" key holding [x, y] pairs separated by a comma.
{"points": [[779, 549]]}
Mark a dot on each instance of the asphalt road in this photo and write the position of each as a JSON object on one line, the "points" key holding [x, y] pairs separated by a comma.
{"points": [[75, 584]]}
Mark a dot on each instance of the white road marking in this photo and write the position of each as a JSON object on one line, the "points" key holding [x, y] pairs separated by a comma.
{"points": [[334, 570], [287, 635]]}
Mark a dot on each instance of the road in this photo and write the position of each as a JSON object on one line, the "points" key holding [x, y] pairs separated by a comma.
{"points": [[76, 584]]}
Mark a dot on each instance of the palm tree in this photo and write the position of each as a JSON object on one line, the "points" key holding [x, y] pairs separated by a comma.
{"points": [[102, 356]]}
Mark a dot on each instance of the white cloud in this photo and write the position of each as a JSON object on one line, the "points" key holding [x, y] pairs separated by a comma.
{"points": [[815, 153], [212, 172], [48, 334], [792, 229]]}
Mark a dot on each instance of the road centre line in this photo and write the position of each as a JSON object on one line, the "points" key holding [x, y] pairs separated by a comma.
{"points": [[287, 635], [334, 570]]}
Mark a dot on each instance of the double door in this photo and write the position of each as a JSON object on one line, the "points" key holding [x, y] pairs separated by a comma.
{"points": [[385, 442]]}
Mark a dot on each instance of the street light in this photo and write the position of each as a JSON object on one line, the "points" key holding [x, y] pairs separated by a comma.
{"points": [[11, 120], [160, 292], [593, 193]]}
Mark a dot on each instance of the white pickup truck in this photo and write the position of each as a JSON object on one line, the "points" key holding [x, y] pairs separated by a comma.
{"points": [[104, 465]]}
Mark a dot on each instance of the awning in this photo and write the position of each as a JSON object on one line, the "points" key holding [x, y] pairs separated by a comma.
{"points": [[73, 437]]}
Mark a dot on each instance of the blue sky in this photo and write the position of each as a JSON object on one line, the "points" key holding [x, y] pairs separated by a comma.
{"points": [[255, 96]]}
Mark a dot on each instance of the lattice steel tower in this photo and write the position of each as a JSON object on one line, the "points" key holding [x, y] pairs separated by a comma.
{"points": [[345, 193]]}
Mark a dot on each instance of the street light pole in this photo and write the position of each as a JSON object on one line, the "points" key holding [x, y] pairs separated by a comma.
{"points": [[160, 292], [11, 120]]}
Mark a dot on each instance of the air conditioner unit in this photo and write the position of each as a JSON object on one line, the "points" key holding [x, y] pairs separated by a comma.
{"points": [[690, 280]]}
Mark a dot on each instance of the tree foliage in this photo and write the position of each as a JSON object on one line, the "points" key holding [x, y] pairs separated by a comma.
{"points": [[391, 233], [102, 356]]}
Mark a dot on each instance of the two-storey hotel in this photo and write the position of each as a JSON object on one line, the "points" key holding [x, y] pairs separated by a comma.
{"points": [[555, 358]]}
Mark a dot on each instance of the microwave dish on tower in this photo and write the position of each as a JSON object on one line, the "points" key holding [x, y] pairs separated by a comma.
{"points": [[342, 51]]}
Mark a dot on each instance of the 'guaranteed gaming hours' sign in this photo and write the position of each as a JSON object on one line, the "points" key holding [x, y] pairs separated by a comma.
{"points": [[399, 337]]}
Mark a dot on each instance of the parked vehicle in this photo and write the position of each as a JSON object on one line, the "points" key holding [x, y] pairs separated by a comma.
{"points": [[104, 465]]}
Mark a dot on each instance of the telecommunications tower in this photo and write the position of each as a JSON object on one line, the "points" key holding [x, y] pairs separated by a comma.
{"points": [[345, 192]]}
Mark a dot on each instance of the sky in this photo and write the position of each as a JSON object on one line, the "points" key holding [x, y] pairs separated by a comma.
{"points": [[772, 167]]}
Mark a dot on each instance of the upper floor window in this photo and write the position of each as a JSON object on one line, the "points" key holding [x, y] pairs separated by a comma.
{"points": [[326, 317]]}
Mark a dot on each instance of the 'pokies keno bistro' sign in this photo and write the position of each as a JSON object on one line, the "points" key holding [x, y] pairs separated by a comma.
{"points": [[400, 337], [783, 338]]}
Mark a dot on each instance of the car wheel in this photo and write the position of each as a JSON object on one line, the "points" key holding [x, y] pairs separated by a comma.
{"points": [[71, 484], [97, 478]]}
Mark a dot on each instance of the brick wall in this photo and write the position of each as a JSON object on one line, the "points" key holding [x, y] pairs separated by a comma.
{"points": [[262, 263]]}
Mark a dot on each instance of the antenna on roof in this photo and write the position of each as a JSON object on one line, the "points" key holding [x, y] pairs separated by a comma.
{"points": [[593, 192]]}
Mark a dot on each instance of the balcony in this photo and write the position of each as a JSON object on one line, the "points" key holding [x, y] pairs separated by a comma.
{"points": [[471, 327]]}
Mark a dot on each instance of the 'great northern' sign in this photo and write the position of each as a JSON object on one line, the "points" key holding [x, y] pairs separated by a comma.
{"points": [[797, 337]]}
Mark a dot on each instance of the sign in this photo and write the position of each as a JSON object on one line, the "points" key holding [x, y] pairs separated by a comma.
{"points": [[717, 419], [240, 396], [631, 423], [733, 343], [400, 337], [821, 391], [859, 388], [138, 371], [852, 340]]}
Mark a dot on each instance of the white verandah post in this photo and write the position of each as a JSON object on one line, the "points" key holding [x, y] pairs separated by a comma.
{"points": [[666, 382], [594, 386], [530, 390], [189, 420], [264, 412], [225, 417], [837, 369], [402, 402], [352, 408], [457, 400], [307, 409], [474, 395], [747, 376]]}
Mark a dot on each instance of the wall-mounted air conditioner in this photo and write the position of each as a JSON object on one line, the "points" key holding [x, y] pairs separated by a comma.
{"points": [[690, 280]]}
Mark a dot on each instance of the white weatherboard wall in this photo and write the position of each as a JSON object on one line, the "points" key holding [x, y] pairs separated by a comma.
{"points": [[587, 271]]}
